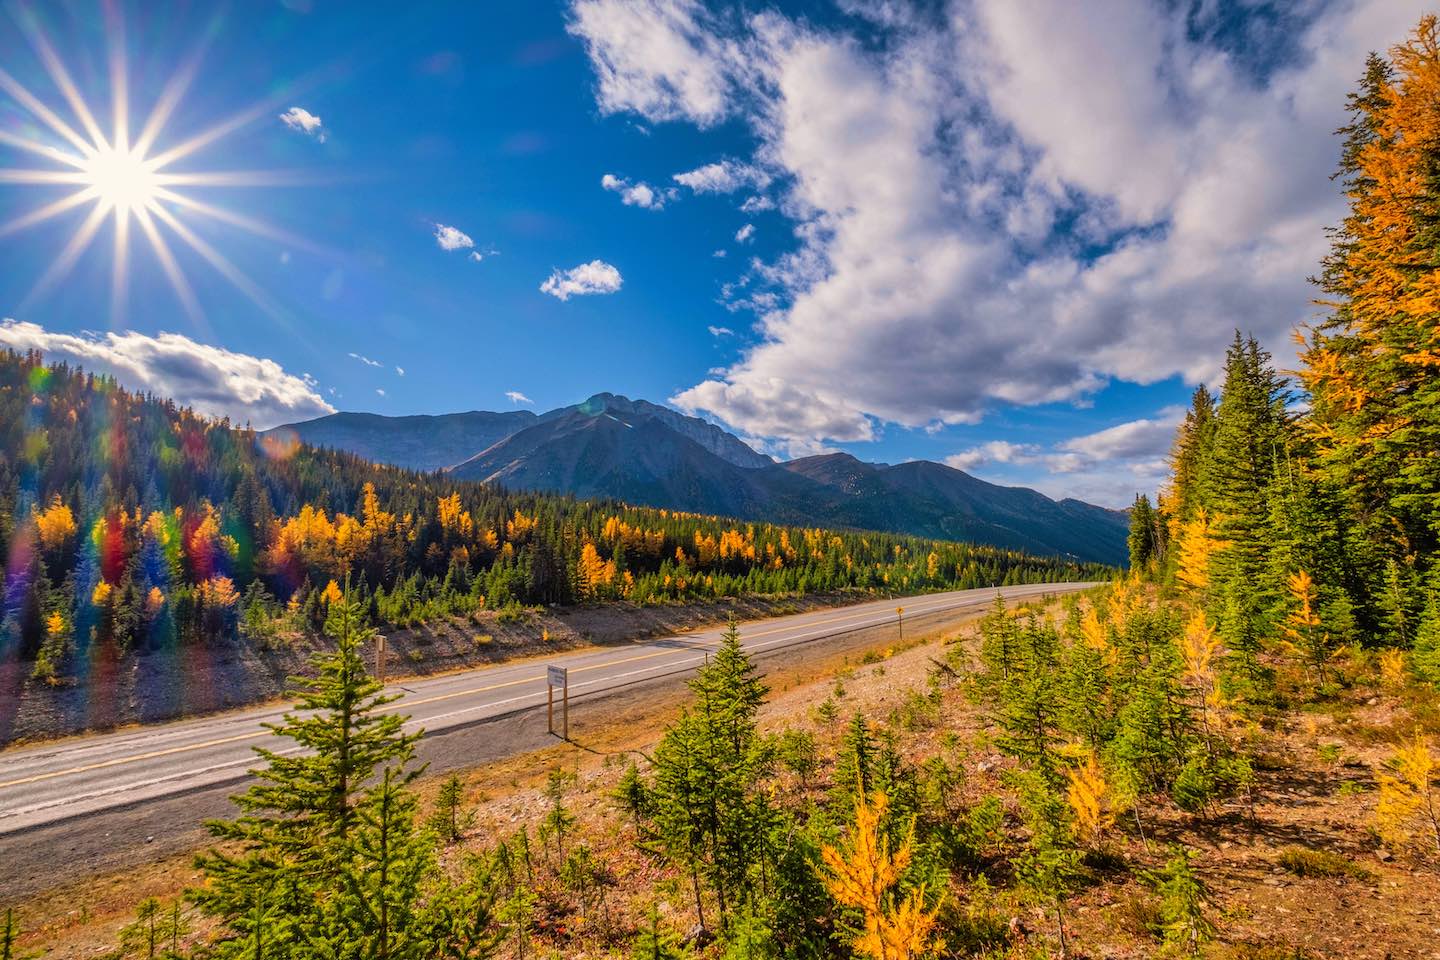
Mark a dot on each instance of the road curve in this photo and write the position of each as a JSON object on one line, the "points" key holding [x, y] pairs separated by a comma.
{"points": [[46, 783]]}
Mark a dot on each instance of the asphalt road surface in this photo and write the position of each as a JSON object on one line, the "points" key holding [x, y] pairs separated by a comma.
{"points": [[80, 779]]}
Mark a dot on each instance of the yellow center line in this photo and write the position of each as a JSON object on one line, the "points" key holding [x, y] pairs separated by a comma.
{"points": [[185, 748], [117, 761]]}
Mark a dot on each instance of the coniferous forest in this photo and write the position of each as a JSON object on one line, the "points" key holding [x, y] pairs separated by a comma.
{"points": [[132, 524], [1230, 751]]}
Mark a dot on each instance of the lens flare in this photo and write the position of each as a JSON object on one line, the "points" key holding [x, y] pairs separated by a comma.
{"points": [[124, 179]]}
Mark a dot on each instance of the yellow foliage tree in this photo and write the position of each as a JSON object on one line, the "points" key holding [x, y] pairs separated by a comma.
{"points": [[101, 594], [595, 573], [55, 524], [1197, 544], [864, 874], [332, 593], [1200, 651], [1407, 805], [1093, 632], [219, 592], [1090, 799], [1303, 628]]}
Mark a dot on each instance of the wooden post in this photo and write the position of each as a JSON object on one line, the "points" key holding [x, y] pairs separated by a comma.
{"points": [[380, 657], [900, 620], [565, 708]]}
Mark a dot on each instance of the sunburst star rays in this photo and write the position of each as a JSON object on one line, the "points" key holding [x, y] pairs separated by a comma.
{"points": [[124, 178]]}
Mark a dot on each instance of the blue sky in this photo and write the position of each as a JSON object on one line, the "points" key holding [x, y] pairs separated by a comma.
{"points": [[936, 230]]}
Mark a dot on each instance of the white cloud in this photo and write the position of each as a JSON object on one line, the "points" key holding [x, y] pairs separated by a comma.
{"points": [[452, 238], [657, 58], [515, 396], [976, 229], [757, 204], [380, 391], [213, 380], [637, 194], [366, 360], [721, 331], [725, 176], [720, 254], [597, 276], [1108, 466], [400, 371], [303, 121], [744, 234]]}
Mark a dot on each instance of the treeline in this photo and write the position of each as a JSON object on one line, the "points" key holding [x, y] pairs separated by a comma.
{"points": [[132, 523], [1309, 511]]}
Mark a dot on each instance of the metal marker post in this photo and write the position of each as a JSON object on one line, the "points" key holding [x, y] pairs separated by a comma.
{"points": [[900, 619], [557, 677], [379, 658]]}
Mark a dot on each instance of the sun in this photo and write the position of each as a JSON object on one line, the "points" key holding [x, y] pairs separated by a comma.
{"points": [[122, 179], [125, 179]]}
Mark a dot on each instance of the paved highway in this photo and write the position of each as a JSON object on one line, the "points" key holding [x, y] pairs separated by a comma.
{"points": [[78, 777]]}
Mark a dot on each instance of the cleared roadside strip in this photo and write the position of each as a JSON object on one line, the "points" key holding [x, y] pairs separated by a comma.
{"points": [[681, 657]]}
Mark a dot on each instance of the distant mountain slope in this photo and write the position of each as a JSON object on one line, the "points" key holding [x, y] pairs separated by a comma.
{"points": [[611, 446], [419, 442], [931, 499], [637, 458]]}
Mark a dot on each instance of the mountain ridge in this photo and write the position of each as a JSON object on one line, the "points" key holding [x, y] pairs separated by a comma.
{"points": [[612, 446]]}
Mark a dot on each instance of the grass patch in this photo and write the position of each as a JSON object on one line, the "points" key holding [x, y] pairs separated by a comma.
{"points": [[1308, 862]]}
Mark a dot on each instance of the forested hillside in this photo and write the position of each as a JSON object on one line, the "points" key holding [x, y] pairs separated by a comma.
{"points": [[130, 523], [613, 447]]}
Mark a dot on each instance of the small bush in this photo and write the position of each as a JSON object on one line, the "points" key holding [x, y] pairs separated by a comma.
{"points": [[1308, 862]]}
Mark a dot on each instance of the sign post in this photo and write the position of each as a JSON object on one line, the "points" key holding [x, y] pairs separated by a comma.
{"points": [[557, 677], [380, 658], [900, 620]]}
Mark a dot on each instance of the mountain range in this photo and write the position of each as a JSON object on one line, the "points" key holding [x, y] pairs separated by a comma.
{"points": [[643, 453]]}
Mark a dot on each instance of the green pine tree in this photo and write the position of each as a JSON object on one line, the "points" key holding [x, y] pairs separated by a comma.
{"points": [[287, 855]]}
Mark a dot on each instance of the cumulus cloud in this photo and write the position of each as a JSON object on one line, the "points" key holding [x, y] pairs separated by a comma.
{"points": [[366, 360], [380, 391], [724, 176], [757, 204], [515, 396], [660, 59], [721, 331], [452, 238], [400, 371], [213, 380], [638, 194], [303, 121], [1108, 466], [597, 276], [744, 234], [977, 230]]}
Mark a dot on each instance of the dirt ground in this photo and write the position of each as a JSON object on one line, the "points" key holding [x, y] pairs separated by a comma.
{"points": [[1316, 778]]}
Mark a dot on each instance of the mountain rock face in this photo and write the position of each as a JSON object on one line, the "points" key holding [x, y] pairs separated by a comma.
{"points": [[643, 453], [419, 443]]}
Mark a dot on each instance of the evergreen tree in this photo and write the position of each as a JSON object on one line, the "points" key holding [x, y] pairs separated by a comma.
{"points": [[655, 943], [1144, 536], [710, 814], [287, 877], [1251, 428], [449, 820]]}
